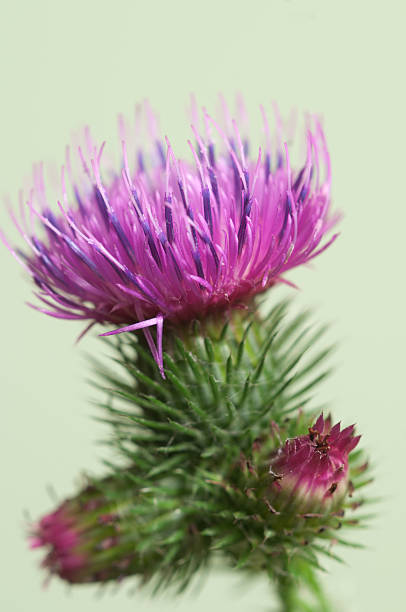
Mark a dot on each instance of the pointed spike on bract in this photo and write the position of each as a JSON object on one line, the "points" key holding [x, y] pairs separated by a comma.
{"points": [[335, 431], [319, 426]]}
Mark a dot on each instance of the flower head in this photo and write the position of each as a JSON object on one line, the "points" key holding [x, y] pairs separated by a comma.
{"points": [[163, 239], [110, 530], [82, 538], [58, 532], [311, 471]]}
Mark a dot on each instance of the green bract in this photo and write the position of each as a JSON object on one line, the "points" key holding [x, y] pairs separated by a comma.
{"points": [[197, 447]]}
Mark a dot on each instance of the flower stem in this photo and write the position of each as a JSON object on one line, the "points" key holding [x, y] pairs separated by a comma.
{"points": [[286, 591]]}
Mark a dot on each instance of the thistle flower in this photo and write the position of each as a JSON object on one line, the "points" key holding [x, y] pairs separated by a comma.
{"points": [[108, 532], [78, 536], [92, 537], [58, 532], [311, 471], [172, 240]]}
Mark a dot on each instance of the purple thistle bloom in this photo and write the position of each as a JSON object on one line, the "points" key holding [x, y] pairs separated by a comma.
{"points": [[171, 240], [311, 471]]}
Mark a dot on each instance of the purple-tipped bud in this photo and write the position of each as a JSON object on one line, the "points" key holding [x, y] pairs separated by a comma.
{"points": [[59, 533], [84, 540], [109, 531], [173, 240], [311, 472]]}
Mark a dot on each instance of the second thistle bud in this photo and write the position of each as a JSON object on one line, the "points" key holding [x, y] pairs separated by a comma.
{"points": [[310, 472], [84, 540], [109, 531]]}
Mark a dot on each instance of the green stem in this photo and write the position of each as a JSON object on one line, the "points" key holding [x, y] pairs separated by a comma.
{"points": [[287, 594]]}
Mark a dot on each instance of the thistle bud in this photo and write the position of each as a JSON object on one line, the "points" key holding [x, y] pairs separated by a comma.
{"points": [[311, 471], [108, 531], [84, 539]]}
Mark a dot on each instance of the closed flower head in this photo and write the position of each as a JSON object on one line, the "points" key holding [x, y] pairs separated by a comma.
{"points": [[310, 472], [59, 533], [85, 541], [166, 239]]}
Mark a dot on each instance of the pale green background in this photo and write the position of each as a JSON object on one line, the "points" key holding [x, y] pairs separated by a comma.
{"points": [[64, 63]]}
